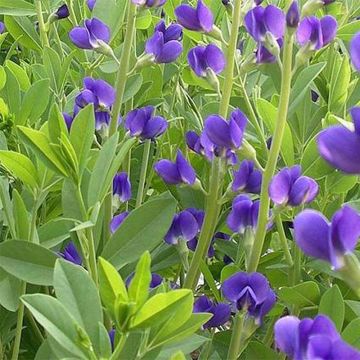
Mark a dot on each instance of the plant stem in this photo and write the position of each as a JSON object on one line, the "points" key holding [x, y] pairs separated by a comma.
{"points": [[283, 240], [19, 325], [236, 337], [213, 205], [274, 153], [143, 171], [296, 270], [43, 33]]}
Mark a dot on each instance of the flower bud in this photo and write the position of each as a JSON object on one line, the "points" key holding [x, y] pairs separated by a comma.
{"points": [[311, 7], [293, 15]]}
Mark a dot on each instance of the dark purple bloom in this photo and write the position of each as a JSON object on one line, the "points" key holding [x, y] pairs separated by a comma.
{"points": [[340, 146], [156, 280], [142, 123], [194, 143], [117, 221], [328, 241], [199, 19], [122, 187], [68, 120], [165, 45], [327, 2], [316, 33], [293, 15], [259, 21], [250, 292], [91, 4], [355, 51], [244, 214], [2, 27], [93, 35], [289, 187], [149, 3], [264, 56], [258, 2], [221, 312], [312, 339], [247, 178], [71, 254], [203, 59], [62, 12], [224, 134], [184, 226], [180, 172]]}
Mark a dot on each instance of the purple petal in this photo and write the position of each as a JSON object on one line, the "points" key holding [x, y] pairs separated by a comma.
{"points": [[215, 58], [234, 285], [274, 19], [118, 220], [155, 43], [80, 37], [196, 59], [186, 171], [254, 23], [217, 130], [187, 17], [355, 51], [168, 171], [240, 216], [169, 52], [280, 186], [222, 313], [188, 225], [303, 191], [205, 16], [104, 92], [260, 286], [286, 334], [155, 127], [173, 32], [202, 304], [355, 115], [328, 27], [241, 176], [99, 30]]}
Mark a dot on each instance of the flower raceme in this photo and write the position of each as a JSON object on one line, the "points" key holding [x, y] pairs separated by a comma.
{"points": [[311, 339], [289, 188], [340, 146], [250, 292], [329, 241]]}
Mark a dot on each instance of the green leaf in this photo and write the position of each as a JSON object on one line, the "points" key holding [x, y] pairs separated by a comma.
{"points": [[338, 183], [351, 334], [16, 8], [302, 295], [257, 350], [10, 291], [28, 261], [347, 31], [79, 295], [142, 230], [56, 124], [12, 92], [82, 135], [7, 205], [20, 74], [133, 85], [21, 217], [39, 143], [20, 166], [268, 113], [158, 308], [57, 321], [140, 283], [332, 305], [143, 20], [179, 355], [54, 232]]}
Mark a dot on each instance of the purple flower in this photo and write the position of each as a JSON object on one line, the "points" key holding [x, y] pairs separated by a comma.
{"points": [[91, 4], [259, 21], [247, 179], [311, 339], [199, 19], [316, 33], [225, 135], [320, 239], [289, 187], [117, 221], [203, 59], [112, 338], [221, 312], [180, 172], [250, 292], [327, 2], [62, 12], [122, 187], [71, 254], [293, 15], [68, 120], [165, 45], [194, 143], [184, 226], [156, 280], [142, 123], [244, 214], [340, 146], [2, 27], [149, 3], [355, 51], [92, 36], [264, 56]]}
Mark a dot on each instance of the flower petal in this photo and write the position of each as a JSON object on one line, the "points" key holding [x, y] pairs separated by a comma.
{"points": [[233, 286], [169, 52], [168, 171], [187, 17], [205, 16], [274, 19], [355, 51], [185, 170], [286, 334], [80, 37], [328, 28]]}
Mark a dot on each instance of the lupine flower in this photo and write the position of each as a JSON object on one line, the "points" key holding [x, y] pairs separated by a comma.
{"points": [[192, 244], [165, 45], [156, 280], [311, 339], [340, 146], [184, 226], [221, 312], [122, 187], [2, 27], [261, 21], [68, 120], [149, 3], [199, 19], [355, 51], [250, 292], [91, 4], [320, 239], [293, 15], [117, 221], [142, 123], [247, 178], [92, 36], [316, 33], [62, 12], [99, 93], [203, 59], [244, 214], [289, 187], [71, 254], [224, 134], [180, 172]]}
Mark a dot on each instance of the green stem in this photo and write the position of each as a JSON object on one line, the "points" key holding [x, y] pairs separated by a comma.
{"points": [[143, 171], [273, 154], [43, 33], [236, 337], [72, 16], [283, 240], [296, 270], [119, 348], [19, 325], [213, 205]]}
